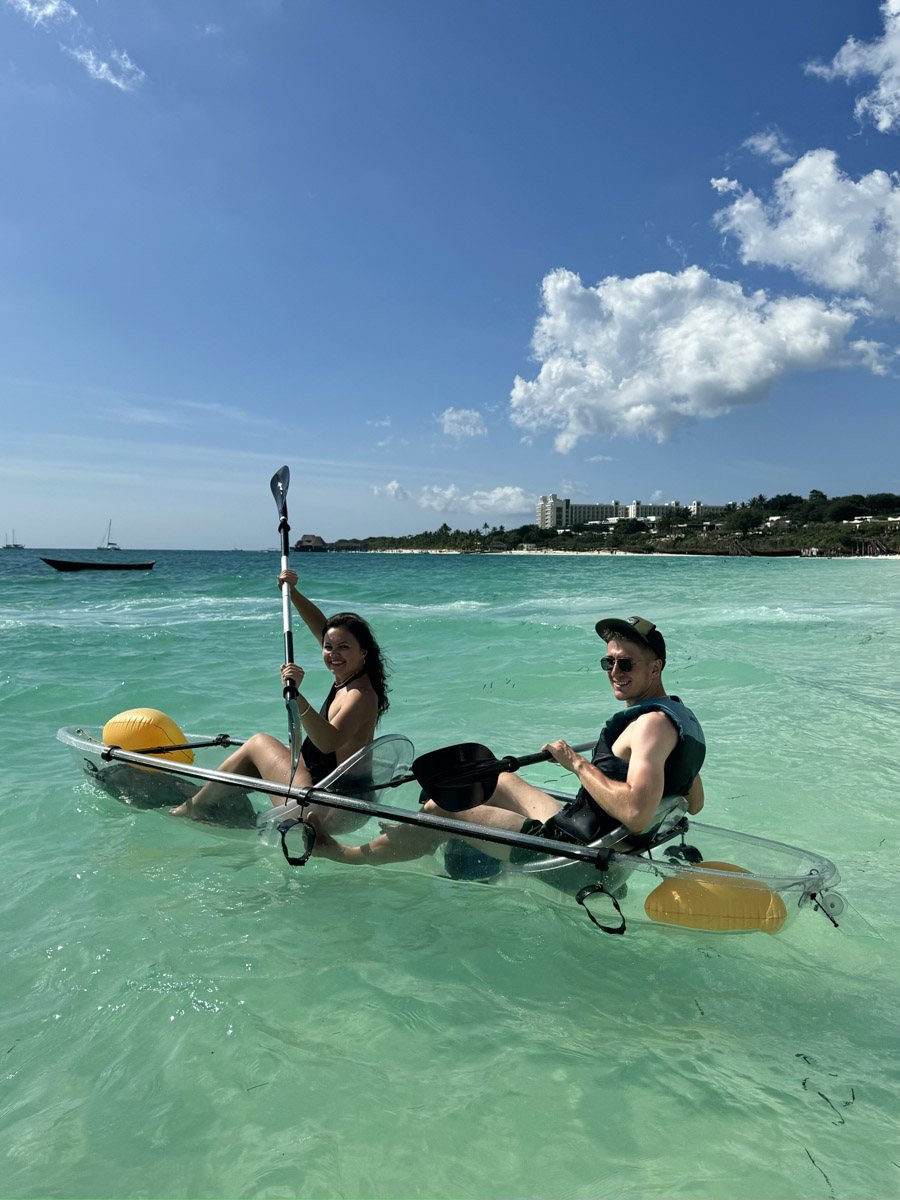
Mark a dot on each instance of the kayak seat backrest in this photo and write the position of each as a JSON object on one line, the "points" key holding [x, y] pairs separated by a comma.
{"points": [[666, 823]]}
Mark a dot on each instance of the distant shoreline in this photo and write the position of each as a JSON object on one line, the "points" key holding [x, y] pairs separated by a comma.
{"points": [[609, 554]]}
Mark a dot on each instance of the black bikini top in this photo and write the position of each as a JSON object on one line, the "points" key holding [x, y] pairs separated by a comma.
{"points": [[320, 763]]}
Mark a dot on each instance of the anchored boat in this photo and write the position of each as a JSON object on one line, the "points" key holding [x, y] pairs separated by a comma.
{"points": [[678, 873], [68, 564]]}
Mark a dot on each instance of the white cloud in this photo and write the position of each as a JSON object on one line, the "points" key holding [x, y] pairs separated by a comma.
{"points": [[124, 74], [654, 353], [134, 414], [880, 58], [725, 185], [600, 458], [186, 412], [461, 423], [769, 144], [383, 423], [230, 412], [574, 488], [824, 226], [120, 71], [392, 490], [497, 502], [43, 12]]}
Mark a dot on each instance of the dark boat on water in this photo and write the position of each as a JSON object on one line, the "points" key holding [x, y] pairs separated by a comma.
{"points": [[66, 564]]}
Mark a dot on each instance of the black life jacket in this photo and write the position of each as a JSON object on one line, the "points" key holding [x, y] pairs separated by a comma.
{"points": [[583, 818]]}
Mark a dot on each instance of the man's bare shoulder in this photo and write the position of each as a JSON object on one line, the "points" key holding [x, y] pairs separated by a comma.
{"points": [[653, 729]]}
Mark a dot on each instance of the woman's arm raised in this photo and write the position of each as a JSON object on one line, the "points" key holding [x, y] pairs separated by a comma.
{"points": [[312, 615]]}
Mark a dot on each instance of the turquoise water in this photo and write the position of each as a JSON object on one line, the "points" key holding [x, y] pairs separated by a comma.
{"points": [[186, 1016]]}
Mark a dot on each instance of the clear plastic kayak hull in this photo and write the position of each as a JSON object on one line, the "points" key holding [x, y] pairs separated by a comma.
{"points": [[696, 877]]}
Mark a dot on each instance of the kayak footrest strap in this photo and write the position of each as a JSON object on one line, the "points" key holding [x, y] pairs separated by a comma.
{"points": [[591, 890]]}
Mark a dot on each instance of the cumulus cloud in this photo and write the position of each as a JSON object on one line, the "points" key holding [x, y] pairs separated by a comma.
{"points": [[392, 490], [497, 502], [656, 352], [769, 144], [880, 58], [824, 226], [725, 185], [123, 73], [462, 423]]}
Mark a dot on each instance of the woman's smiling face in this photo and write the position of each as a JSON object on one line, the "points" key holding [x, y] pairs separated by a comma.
{"points": [[342, 653]]}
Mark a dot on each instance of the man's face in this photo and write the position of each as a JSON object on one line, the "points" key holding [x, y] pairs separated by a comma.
{"points": [[643, 678]]}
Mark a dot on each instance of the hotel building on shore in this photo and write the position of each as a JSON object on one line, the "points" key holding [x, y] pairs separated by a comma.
{"points": [[556, 513]]}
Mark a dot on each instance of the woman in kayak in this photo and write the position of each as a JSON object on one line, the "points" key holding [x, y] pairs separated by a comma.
{"points": [[344, 724]]}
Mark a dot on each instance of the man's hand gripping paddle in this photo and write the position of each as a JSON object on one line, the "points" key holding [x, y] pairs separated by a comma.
{"points": [[279, 485]]}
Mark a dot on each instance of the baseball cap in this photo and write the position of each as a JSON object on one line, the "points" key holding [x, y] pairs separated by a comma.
{"points": [[637, 629]]}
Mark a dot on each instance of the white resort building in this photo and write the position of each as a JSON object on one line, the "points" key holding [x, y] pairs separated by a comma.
{"points": [[556, 513]]}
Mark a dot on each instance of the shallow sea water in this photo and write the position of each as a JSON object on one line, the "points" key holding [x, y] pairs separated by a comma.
{"points": [[187, 1016]]}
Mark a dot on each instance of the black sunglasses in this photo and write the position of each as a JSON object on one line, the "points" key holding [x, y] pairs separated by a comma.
{"points": [[624, 664]]}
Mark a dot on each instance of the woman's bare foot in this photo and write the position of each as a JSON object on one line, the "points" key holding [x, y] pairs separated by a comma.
{"points": [[234, 809]]}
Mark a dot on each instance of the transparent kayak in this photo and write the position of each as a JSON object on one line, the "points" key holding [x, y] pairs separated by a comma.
{"points": [[677, 874]]}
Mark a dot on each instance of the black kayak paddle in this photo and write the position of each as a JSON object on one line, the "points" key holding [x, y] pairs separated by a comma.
{"points": [[461, 777], [279, 484]]}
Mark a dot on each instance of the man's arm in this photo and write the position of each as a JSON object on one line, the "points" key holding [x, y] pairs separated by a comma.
{"points": [[695, 797], [398, 843], [635, 800]]}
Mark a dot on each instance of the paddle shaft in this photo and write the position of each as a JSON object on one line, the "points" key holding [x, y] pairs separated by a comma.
{"points": [[290, 688], [284, 529], [279, 486]]}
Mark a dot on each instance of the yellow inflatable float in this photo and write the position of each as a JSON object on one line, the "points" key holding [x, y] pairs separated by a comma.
{"points": [[693, 902], [145, 729]]}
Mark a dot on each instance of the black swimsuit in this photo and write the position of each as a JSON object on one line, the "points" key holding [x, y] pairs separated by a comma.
{"points": [[318, 762]]}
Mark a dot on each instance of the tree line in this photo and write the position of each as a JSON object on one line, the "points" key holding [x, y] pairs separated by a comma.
{"points": [[814, 521]]}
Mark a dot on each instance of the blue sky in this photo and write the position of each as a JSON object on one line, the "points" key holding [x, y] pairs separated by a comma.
{"points": [[439, 258]]}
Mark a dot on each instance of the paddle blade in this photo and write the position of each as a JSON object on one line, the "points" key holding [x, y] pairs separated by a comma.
{"points": [[458, 777], [279, 484]]}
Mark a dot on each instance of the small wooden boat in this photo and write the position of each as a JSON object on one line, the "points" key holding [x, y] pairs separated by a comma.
{"points": [[66, 564]]}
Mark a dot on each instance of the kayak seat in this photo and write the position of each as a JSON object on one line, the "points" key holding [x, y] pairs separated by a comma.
{"points": [[667, 823]]}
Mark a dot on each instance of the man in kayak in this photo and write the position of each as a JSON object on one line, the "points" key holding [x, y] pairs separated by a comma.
{"points": [[651, 748]]}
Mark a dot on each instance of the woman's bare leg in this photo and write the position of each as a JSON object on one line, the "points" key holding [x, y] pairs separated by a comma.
{"points": [[261, 757]]}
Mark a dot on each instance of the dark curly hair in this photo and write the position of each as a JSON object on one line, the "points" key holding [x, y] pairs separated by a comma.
{"points": [[376, 664]]}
